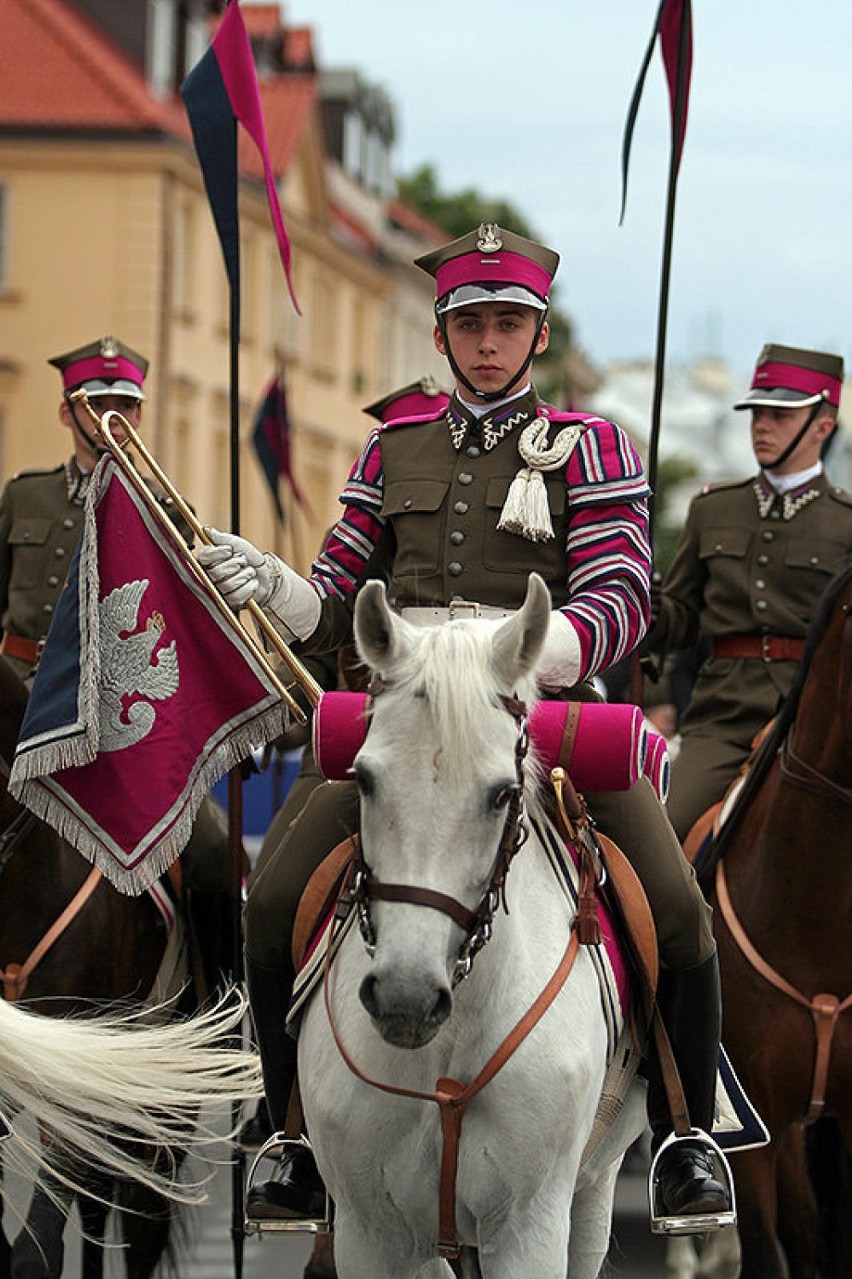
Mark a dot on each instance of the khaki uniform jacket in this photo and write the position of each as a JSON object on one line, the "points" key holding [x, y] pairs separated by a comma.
{"points": [[749, 562], [41, 521]]}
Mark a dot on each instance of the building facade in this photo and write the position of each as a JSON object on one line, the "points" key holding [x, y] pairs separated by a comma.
{"points": [[105, 228]]}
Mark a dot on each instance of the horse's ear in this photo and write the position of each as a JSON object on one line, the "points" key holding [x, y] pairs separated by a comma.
{"points": [[374, 625], [519, 641]]}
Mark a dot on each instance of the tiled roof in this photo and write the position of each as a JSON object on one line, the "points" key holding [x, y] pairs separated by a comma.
{"points": [[287, 103], [60, 71], [408, 219], [261, 19]]}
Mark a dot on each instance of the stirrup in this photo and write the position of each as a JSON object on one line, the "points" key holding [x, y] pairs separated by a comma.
{"points": [[662, 1223], [273, 1150]]}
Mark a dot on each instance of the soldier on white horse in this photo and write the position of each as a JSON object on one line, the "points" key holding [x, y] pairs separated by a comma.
{"points": [[469, 500]]}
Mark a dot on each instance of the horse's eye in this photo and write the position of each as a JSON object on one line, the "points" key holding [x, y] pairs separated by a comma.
{"points": [[501, 796], [364, 779]]}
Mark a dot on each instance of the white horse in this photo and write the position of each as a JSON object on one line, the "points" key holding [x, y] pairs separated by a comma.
{"points": [[439, 777], [116, 1088]]}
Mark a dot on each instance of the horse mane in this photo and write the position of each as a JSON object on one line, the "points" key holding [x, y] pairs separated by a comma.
{"points": [[451, 668], [783, 722]]}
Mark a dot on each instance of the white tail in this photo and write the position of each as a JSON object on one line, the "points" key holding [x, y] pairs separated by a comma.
{"points": [[95, 1082]]}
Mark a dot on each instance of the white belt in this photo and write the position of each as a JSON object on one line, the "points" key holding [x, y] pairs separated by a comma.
{"points": [[457, 610]]}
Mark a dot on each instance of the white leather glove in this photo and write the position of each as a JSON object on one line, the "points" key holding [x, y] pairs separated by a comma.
{"points": [[559, 663], [241, 572]]}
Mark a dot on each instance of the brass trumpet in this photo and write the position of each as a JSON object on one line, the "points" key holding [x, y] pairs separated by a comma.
{"points": [[301, 675]]}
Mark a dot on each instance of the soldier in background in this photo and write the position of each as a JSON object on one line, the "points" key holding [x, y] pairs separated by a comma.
{"points": [[753, 559], [41, 522], [41, 511]]}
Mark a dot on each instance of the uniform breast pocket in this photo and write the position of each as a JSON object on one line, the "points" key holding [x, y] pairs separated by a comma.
{"points": [[724, 543], [415, 509], [816, 555], [28, 538], [512, 553]]}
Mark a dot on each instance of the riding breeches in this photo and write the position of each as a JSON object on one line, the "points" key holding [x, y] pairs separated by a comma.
{"points": [[702, 772], [633, 819]]}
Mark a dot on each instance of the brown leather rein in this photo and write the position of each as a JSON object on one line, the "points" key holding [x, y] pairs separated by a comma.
{"points": [[824, 1008], [451, 1096], [14, 977]]}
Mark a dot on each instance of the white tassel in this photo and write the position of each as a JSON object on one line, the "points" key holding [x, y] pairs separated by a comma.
{"points": [[526, 510], [512, 516]]}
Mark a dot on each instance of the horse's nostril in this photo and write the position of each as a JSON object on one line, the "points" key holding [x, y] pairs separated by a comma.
{"points": [[442, 1007], [367, 995]]}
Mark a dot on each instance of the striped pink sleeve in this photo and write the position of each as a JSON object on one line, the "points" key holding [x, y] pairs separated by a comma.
{"points": [[338, 568], [608, 552]]}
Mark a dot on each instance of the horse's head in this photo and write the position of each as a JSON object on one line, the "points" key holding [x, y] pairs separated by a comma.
{"points": [[439, 775]]}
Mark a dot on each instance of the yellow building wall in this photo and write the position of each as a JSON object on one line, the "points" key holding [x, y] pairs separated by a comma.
{"points": [[107, 238]]}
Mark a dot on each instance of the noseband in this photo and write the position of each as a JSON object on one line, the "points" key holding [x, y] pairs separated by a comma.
{"points": [[477, 923]]}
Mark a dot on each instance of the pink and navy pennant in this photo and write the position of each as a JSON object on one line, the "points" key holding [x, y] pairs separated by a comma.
{"points": [[220, 90]]}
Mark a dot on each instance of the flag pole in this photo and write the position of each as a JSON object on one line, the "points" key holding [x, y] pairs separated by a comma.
{"points": [[678, 79], [678, 120]]}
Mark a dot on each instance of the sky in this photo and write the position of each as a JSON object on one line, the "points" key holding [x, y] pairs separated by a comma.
{"points": [[525, 100]]}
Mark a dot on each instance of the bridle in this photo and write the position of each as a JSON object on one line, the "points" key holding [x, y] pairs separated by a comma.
{"points": [[795, 770], [477, 923]]}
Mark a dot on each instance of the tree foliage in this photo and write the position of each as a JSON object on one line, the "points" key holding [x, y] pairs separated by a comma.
{"points": [[458, 212]]}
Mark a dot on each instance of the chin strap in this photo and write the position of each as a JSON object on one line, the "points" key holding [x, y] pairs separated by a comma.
{"points": [[97, 449], [797, 439]]}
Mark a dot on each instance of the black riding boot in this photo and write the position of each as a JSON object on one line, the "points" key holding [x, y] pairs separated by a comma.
{"points": [[690, 1006], [297, 1189]]}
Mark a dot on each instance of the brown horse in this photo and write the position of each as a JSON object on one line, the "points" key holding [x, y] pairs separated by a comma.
{"points": [[110, 952], [780, 879]]}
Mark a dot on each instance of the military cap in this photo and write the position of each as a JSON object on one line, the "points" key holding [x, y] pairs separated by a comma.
{"points": [[786, 375], [423, 396], [104, 367], [490, 265]]}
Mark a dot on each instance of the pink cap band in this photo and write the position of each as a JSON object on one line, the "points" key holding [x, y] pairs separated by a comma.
{"points": [[794, 378], [99, 366], [497, 268]]}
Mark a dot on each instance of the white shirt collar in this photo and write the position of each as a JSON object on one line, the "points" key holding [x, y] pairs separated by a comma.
{"points": [[786, 483], [479, 409]]}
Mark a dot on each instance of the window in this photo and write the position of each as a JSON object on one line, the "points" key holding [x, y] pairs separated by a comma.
{"points": [[197, 40], [4, 238], [183, 264], [162, 25], [353, 144]]}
